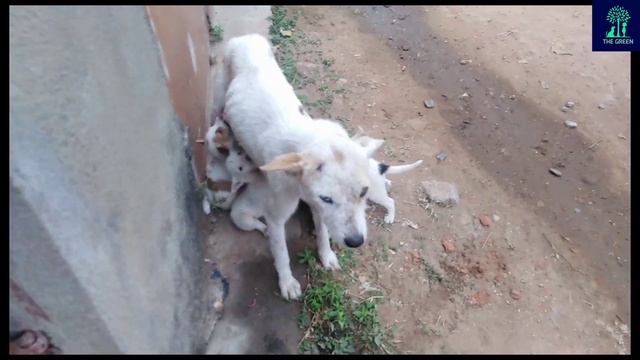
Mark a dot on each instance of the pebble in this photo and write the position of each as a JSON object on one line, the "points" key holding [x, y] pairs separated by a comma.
{"points": [[429, 104], [570, 104], [515, 294], [465, 61], [570, 124], [441, 192], [565, 109], [448, 245], [463, 96], [512, 97], [496, 218], [405, 48], [621, 136], [601, 106], [555, 172], [441, 156], [544, 84], [404, 68], [485, 220]]}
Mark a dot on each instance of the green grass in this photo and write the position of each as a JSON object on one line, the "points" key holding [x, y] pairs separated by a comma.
{"points": [[216, 33], [334, 323]]}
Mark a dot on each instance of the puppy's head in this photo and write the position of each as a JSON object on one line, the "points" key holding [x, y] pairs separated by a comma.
{"points": [[334, 182], [219, 139], [238, 162]]}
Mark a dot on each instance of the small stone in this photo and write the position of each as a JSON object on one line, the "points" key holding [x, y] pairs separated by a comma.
{"points": [[404, 68], [448, 245], [577, 210], [410, 224], [523, 61], [393, 21], [485, 220], [544, 84], [515, 294], [589, 179], [465, 61], [512, 97], [496, 218], [601, 106], [565, 109], [463, 96], [441, 156], [440, 192], [621, 136], [286, 33], [555, 172], [480, 298], [405, 48], [429, 104], [570, 104], [218, 306], [570, 124]]}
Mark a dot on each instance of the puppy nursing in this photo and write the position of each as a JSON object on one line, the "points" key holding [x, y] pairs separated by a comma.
{"points": [[284, 156]]}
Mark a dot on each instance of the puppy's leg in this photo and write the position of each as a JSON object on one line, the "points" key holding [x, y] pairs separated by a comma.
{"points": [[289, 286], [327, 256], [246, 220]]}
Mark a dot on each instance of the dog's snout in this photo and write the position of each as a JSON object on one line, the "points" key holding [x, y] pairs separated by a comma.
{"points": [[354, 241]]}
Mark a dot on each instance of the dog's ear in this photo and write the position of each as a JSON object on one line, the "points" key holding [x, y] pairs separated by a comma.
{"points": [[292, 162]]}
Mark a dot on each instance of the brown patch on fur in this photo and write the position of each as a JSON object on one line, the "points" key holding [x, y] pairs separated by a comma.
{"points": [[221, 185], [338, 155]]}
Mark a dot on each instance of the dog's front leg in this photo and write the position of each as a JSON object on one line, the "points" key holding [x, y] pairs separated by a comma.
{"points": [[327, 256], [289, 286]]}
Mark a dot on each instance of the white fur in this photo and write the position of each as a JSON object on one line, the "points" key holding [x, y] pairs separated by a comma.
{"points": [[216, 171], [264, 114]]}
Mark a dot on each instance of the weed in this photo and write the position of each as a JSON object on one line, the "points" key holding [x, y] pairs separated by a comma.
{"points": [[432, 273], [333, 323], [216, 33]]}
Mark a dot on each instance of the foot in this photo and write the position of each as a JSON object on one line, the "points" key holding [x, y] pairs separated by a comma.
{"points": [[30, 342], [329, 260], [206, 207], [290, 288], [389, 218]]}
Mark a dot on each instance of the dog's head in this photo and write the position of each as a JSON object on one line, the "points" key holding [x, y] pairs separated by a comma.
{"points": [[334, 180], [219, 139]]}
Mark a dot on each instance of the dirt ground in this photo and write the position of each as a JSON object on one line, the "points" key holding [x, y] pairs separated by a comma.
{"points": [[550, 274]]}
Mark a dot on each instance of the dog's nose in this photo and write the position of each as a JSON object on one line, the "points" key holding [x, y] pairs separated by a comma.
{"points": [[354, 241]]}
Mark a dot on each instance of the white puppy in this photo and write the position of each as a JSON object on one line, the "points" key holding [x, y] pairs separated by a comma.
{"points": [[300, 162]]}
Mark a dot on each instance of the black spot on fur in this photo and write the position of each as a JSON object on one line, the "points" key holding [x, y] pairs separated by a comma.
{"points": [[383, 168]]}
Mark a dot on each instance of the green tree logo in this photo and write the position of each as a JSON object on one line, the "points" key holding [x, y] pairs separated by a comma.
{"points": [[616, 15]]}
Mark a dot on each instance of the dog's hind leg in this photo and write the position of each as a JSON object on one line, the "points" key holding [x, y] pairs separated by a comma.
{"points": [[327, 256], [289, 286]]}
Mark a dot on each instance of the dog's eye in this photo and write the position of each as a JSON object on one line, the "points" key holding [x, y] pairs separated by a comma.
{"points": [[319, 168], [364, 191], [240, 168], [326, 199]]}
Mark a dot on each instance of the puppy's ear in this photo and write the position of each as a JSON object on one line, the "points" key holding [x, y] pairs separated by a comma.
{"points": [[293, 162]]}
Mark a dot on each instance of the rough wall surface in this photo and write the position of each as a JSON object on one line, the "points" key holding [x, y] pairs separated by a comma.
{"points": [[104, 248]]}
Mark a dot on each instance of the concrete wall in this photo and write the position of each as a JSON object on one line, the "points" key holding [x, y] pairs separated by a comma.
{"points": [[105, 252]]}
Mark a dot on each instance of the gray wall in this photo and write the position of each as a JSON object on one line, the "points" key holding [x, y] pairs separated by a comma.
{"points": [[103, 210]]}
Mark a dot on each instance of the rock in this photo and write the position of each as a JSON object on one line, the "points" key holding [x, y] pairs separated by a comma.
{"points": [[544, 84], [440, 192], [404, 67], [621, 136], [465, 61], [496, 218], [515, 294], [570, 104], [570, 124], [480, 298], [218, 306], [565, 109], [463, 96], [555, 172], [589, 179], [448, 245], [405, 48], [601, 106], [512, 97], [485, 220], [441, 156], [410, 224], [429, 104]]}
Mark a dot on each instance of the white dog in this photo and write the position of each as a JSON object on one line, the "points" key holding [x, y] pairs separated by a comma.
{"points": [[300, 161]]}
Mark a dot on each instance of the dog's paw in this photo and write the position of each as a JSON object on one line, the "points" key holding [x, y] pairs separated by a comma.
{"points": [[206, 207], [389, 218], [290, 288], [330, 261]]}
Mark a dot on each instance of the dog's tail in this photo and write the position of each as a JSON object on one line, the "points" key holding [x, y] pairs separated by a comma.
{"points": [[397, 169]]}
